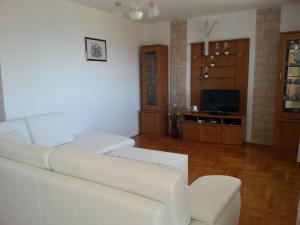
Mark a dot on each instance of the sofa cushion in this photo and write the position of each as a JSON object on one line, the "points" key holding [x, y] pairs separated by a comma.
{"points": [[50, 129], [19, 126], [99, 142], [209, 196], [154, 182], [25, 153], [14, 135]]}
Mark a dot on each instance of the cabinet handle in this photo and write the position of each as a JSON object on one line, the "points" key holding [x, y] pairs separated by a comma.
{"points": [[280, 76]]}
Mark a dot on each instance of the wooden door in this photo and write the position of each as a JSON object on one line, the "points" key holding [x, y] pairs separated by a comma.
{"points": [[151, 78]]}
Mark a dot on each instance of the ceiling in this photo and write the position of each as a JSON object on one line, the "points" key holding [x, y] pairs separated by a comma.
{"points": [[180, 9]]}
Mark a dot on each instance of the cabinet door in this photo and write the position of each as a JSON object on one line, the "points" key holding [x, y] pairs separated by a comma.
{"points": [[151, 78], [288, 106], [287, 134], [153, 122], [190, 131], [232, 135], [210, 133]]}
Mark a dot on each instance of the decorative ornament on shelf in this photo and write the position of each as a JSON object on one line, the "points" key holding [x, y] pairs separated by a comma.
{"points": [[217, 48], [207, 32], [205, 72], [212, 61], [226, 48], [136, 9]]}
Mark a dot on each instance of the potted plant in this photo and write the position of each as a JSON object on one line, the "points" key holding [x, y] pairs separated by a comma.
{"points": [[175, 116]]}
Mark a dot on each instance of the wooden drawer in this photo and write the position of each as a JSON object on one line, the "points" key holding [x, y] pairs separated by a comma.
{"points": [[210, 133], [190, 131]]}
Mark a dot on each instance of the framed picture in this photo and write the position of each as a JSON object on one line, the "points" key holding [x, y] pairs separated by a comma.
{"points": [[95, 49]]}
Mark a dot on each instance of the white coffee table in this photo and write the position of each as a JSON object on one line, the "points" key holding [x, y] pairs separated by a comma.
{"points": [[178, 162]]}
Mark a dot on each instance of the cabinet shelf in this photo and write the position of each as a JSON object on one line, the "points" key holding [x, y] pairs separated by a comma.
{"points": [[289, 76], [292, 83], [293, 66], [210, 78]]}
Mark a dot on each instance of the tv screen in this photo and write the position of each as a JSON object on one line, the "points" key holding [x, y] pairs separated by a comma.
{"points": [[221, 101]]}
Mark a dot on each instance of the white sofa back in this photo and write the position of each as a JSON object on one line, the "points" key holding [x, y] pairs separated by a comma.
{"points": [[131, 176], [30, 195], [74, 187], [29, 154], [44, 130]]}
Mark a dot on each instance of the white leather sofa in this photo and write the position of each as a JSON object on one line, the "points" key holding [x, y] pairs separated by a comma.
{"points": [[53, 130], [62, 186]]}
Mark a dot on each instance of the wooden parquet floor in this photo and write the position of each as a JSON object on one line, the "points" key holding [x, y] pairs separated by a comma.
{"points": [[271, 179]]}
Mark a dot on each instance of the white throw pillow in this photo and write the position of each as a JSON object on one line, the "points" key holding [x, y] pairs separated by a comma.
{"points": [[50, 129]]}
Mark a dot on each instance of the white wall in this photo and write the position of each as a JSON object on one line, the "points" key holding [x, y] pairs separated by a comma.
{"points": [[44, 70], [290, 18], [157, 33], [230, 26]]}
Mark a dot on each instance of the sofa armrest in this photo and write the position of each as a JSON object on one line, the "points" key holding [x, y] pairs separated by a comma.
{"points": [[215, 200]]}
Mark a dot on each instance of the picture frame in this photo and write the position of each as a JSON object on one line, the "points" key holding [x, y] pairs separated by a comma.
{"points": [[95, 49]]}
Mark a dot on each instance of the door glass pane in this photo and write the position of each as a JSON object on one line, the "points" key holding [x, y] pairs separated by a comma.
{"points": [[292, 78], [151, 77]]}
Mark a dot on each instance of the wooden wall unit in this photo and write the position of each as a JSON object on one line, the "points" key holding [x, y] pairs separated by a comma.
{"points": [[154, 89], [230, 71], [287, 117]]}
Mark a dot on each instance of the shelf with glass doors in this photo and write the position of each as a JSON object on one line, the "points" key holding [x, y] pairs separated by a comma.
{"points": [[292, 77]]}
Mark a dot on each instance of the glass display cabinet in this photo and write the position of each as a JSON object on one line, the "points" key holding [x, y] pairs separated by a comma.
{"points": [[287, 121], [154, 89], [292, 77]]}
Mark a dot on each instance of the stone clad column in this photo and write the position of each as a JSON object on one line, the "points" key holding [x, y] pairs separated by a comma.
{"points": [[266, 74], [178, 63]]}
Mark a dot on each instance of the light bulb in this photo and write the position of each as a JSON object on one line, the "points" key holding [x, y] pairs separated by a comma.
{"points": [[136, 15], [116, 10], [153, 10]]}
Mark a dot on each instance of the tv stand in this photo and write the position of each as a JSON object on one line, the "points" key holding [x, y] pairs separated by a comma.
{"points": [[220, 129]]}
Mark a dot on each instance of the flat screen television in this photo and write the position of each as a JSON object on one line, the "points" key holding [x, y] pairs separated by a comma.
{"points": [[221, 101]]}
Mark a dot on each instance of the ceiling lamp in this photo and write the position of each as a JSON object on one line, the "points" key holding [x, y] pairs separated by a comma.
{"points": [[117, 8], [136, 9]]}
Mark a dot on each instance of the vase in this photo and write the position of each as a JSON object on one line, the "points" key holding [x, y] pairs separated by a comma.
{"points": [[206, 47], [175, 130]]}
